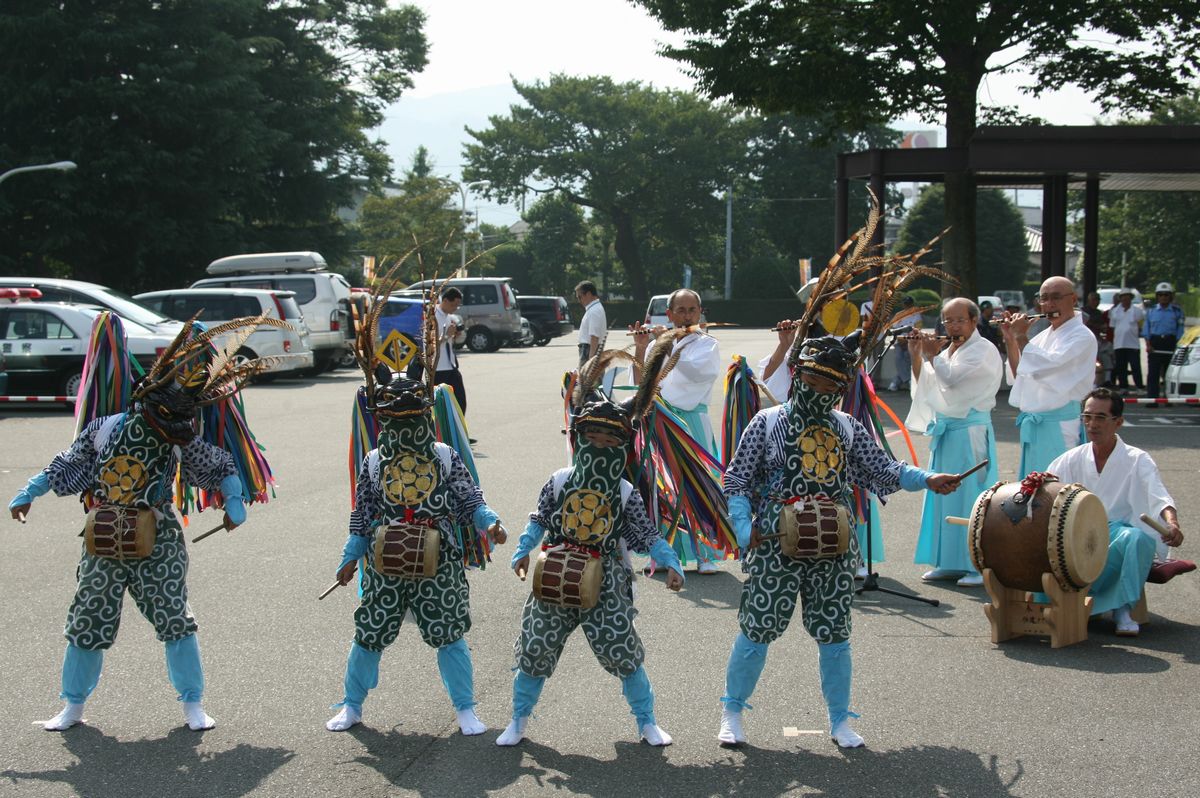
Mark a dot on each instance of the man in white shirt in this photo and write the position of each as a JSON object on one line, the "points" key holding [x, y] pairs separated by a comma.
{"points": [[1050, 375], [953, 393], [1126, 480], [593, 326], [1125, 320], [687, 387], [445, 370]]}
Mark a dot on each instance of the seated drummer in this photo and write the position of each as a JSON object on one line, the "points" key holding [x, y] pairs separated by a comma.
{"points": [[601, 434], [1127, 481]]}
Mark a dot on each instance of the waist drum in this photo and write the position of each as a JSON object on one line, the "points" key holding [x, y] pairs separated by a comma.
{"points": [[814, 528], [568, 578], [406, 550], [120, 533]]}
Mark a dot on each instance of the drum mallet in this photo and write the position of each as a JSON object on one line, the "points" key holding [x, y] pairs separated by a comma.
{"points": [[1156, 526], [971, 470], [957, 520], [21, 517], [212, 531], [329, 590]]}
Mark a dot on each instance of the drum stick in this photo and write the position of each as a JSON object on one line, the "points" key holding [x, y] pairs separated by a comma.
{"points": [[521, 573], [958, 521], [212, 531], [21, 517], [971, 470], [329, 590], [1155, 525]]}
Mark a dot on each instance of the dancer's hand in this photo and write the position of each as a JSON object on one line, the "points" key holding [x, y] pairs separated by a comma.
{"points": [[497, 534], [346, 572], [674, 580], [521, 567], [943, 483], [19, 511], [230, 524]]}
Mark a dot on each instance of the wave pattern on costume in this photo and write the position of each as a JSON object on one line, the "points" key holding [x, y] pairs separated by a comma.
{"points": [[608, 628], [441, 605]]}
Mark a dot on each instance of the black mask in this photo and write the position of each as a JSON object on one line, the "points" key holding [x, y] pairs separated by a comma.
{"points": [[402, 397], [171, 411]]}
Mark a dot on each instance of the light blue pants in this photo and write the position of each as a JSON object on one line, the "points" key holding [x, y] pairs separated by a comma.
{"points": [[1130, 554], [454, 664], [636, 688]]}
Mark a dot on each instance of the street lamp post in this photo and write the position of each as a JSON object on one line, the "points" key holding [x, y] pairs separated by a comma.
{"points": [[462, 194], [57, 166]]}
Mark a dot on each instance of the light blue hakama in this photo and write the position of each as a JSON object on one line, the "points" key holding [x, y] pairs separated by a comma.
{"points": [[876, 534], [1042, 438], [1130, 554], [954, 449]]}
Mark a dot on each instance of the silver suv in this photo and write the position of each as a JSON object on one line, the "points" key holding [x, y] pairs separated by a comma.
{"points": [[489, 310]]}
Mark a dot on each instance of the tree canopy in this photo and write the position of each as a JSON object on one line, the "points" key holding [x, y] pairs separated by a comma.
{"points": [[201, 128], [860, 63], [650, 163]]}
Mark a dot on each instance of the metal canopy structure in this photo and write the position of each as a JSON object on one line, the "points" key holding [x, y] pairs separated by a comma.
{"points": [[1053, 159]]}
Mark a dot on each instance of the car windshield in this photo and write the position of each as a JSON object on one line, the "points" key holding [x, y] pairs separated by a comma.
{"points": [[658, 306], [130, 308]]}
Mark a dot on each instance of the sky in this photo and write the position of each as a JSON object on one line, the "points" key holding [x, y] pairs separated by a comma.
{"points": [[478, 46]]}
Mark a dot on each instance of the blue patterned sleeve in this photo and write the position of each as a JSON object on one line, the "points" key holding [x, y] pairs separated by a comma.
{"points": [[637, 530], [872, 468], [73, 470], [204, 465], [468, 496], [545, 505], [367, 501], [748, 469]]}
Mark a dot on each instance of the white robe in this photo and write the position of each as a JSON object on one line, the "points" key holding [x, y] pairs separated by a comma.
{"points": [[1056, 367], [690, 382], [1129, 485], [954, 385], [780, 381]]}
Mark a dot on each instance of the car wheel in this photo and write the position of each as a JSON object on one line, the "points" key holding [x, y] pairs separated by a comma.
{"points": [[542, 341], [347, 360], [71, 384], [480, 339], [243, 356]]}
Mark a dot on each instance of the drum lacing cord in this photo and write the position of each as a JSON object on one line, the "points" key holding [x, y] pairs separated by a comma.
{"points": [[816, 497], [410, 518], [121, 512], [1033, 481], [572, 547]]}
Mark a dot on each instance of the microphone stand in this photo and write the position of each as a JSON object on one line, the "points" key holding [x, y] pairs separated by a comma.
{"points": [[871, 581]]}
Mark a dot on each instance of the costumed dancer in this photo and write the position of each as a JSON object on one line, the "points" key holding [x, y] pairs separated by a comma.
{"points": [[801, 459], [588, 513], [953, 392], [1050, 375], [124, 465], [1127, 481], [685, 389], [410, 491]]}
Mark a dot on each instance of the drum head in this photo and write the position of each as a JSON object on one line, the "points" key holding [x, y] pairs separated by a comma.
{"points": [[975, 527], [1084, 534]]}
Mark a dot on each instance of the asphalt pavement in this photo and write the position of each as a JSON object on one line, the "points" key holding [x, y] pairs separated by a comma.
{"points": [[944, 711]]}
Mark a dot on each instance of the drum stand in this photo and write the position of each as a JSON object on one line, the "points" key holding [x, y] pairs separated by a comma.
{"points": [[871, 582], [1014, 613]]}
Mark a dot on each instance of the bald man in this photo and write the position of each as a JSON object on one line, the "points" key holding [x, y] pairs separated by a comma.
{"points": [[1051, 374]]}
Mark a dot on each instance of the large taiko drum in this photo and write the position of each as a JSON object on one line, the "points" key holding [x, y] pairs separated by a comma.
{"points": [[1060, 529], [409, 551], [119, 533], [568, 578], [814, 528]]}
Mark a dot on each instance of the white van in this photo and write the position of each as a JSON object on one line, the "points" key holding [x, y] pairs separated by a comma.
{"points": [[323, 296], [291, 347]]}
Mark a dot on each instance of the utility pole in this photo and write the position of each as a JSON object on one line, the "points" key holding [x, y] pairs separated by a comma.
{"points": [[729, 243]]}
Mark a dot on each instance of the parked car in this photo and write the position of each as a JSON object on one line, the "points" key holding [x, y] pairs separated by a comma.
{"points": [[489, 310], [1011, 299], [43, 345], [224, 304], [77, 292], [656, 311], [1183, 373], [323, 296], [1109, 296], [549, 317], [526, 337]]}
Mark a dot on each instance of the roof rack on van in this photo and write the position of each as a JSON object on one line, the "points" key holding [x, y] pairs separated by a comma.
{"points": [[268, 262]]}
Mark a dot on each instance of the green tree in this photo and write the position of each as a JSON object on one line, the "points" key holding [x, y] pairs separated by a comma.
{"points": [[556, 232], [1003, 258], [1152, 235], [201, 128], [650, 163], [863, 63]]}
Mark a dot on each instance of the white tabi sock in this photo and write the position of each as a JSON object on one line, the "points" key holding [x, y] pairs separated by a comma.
{"points": [[347, 717], [469, 723], [71, 714], [731, 732], [196, 718], [846, 737], [514, 732], [654, 734]]}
